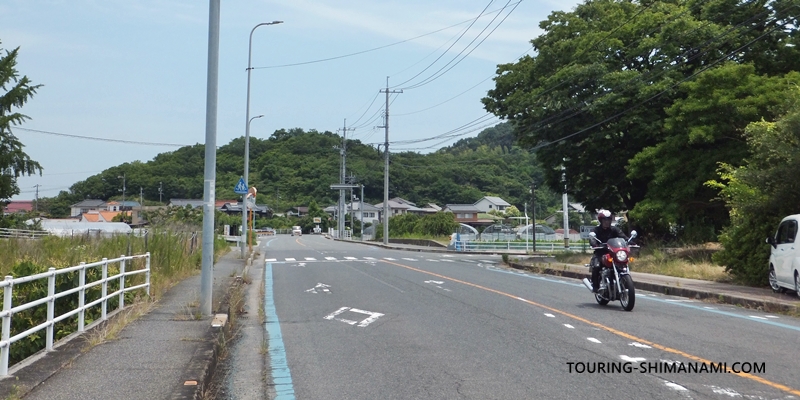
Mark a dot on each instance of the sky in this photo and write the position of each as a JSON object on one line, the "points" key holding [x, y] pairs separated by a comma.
{"points": [[126, 80]]}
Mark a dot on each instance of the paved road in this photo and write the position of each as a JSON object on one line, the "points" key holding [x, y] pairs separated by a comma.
{"points": [[347, 321]]}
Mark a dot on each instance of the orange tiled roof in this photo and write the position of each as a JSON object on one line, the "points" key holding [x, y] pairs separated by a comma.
{"points": [[108, 216], [91, 217]]}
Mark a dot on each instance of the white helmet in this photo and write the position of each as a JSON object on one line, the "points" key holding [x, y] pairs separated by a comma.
{"points": [[603, 214]]}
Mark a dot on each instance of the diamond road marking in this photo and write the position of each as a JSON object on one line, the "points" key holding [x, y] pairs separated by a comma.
{"points": [[549, 315], [290, 259], [372, 316], [591, 339], [569, 326]]}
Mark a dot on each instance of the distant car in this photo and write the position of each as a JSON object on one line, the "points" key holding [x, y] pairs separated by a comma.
{"points": [[269, 231], [317, 230], [296, 230], [784, 259]]}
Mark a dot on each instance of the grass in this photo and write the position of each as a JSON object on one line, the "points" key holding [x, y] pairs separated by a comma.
{"points": [[686, 264]]}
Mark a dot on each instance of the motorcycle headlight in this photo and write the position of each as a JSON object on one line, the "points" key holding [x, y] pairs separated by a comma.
{"points": [[622, 256]]}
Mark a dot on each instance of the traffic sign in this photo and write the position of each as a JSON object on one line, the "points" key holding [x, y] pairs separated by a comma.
{"points": [[241, 187], [585, 229]]}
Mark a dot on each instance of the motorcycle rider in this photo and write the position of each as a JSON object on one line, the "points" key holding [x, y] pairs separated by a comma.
{"points": [[603, 233]]}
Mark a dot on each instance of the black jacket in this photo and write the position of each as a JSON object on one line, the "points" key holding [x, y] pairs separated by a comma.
{"points": [[604, 234]]}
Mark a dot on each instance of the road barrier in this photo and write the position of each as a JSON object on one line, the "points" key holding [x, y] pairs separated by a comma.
{"points": [[9, 309]]}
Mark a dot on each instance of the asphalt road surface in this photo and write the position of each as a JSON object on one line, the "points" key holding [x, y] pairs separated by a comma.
{"points": [[350, 321]]}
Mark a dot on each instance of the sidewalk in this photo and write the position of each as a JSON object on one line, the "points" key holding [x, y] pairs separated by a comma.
{"points": [[166, 353], [746, 296]]}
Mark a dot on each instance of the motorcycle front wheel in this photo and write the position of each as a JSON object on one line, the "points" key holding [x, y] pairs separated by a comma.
{"points": [[600, 299], [628, 296]]}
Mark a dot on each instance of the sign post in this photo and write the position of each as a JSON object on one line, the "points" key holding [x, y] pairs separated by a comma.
{"points": [[585, 230], [251, 195]]}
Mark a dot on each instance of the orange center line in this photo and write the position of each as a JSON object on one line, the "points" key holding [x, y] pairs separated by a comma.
{"points": [[606, 328], [297, 241]]}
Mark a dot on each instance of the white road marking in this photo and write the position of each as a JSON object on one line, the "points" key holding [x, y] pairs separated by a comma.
{"points": [[372, 316], [351, 258], [321, 286], [330, 258], [301, 264], [470, 261], [771, 316], [311, 259], [591, 339], [435, 282], [680, 301], [550, 315], [271, 259], [675, 386], [487, 261], [757, 317], [369, 258], [632, 359], [409, 259], [448, 260], [670, 362], [290, 259], [729, 392], [390, 259], [569, 326], [448, 255], [637, 344], [432, 260]]}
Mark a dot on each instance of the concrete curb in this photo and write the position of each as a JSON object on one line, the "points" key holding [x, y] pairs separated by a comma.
{"points": [[669, 290]]}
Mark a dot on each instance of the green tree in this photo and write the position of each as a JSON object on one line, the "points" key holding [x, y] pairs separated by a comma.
{"points": [[16, 91], [761, 192]]}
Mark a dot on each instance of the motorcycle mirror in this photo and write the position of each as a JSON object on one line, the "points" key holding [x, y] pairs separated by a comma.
{"points": [[592, 234], [633, 234]]}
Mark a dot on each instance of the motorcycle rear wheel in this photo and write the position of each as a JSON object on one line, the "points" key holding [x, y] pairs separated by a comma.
{"points": [[628, 296]]}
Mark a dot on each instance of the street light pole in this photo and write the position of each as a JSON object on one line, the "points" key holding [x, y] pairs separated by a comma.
{"points": [[247, 131]]}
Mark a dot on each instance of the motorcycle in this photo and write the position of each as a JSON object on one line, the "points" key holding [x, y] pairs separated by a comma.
{"points": [[615, 279]]}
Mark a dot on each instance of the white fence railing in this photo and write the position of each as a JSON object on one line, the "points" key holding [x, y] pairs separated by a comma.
{"points": [[9, 309], [516, 246], [22, 233]]}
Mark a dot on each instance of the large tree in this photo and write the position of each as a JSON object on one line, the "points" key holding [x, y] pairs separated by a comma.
{"points": [[607, 83], [14, 93]]}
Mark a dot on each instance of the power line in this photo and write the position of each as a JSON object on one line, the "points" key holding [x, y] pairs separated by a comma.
{"points": [[103, 139], [376, 48]]}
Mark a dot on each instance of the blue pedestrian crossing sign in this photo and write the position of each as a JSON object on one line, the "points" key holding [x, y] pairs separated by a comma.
{"points": [[241, 187]]}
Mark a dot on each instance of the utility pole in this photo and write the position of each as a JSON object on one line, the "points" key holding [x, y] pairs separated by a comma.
{"points": [[533, 206], [361, 211], [342, 173], [36, 203], [386, 166], [141, 194], [564, 206], [160, 190]]}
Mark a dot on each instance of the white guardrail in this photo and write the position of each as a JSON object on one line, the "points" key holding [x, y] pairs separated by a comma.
{"points": [[520, 246], [9, 309]]}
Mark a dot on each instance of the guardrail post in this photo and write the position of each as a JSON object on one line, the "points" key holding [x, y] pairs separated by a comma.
{"points": [[5, 346], [104, 293], [122, 284], [82, 297], [147, 274], [51, 307]]}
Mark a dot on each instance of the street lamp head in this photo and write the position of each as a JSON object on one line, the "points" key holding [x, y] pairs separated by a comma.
{"points": [[276, 22]]}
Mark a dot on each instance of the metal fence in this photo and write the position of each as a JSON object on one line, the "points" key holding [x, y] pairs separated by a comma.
{"points": [[515, 246], [9, 309], [22, 233]]}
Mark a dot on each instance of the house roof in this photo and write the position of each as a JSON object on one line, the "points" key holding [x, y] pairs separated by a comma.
{"points": [[220, 203], [494, 200], [394, 205], [461, 208], [433, 206], [300, 209], [401, 201], [186, 202], [578, 207], [367, 207], [18, 206], [89, 203]]}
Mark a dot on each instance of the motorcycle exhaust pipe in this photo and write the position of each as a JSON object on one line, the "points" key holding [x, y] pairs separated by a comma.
{"points": [[587, 283]]}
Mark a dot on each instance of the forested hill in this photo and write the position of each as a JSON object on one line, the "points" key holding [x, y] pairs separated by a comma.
{"points": [[292, 167]]}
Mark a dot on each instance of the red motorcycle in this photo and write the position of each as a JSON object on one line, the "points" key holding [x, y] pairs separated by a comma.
{"points": [[615, 279]]}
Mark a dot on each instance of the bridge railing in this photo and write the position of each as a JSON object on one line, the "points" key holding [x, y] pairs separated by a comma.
{"points": [[9, 309]]}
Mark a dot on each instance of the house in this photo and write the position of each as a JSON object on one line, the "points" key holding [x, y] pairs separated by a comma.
{"points": [[465, 213], [99, 216], [18, 206], [372, 214], [297, 211], [85, 206], [397, 207], [261, 210], [137, 214], [489, 203], [185, 202], [557, 218]]}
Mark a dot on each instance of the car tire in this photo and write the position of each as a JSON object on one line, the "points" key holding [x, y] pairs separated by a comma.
{"points": [[797, 283], [773, 281]]}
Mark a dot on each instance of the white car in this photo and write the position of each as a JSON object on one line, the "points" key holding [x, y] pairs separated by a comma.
{"points": [[784, 258], [296, 230]]}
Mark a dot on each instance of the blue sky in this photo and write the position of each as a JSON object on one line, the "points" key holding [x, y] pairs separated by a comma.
{"points": [[136, 71]]}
